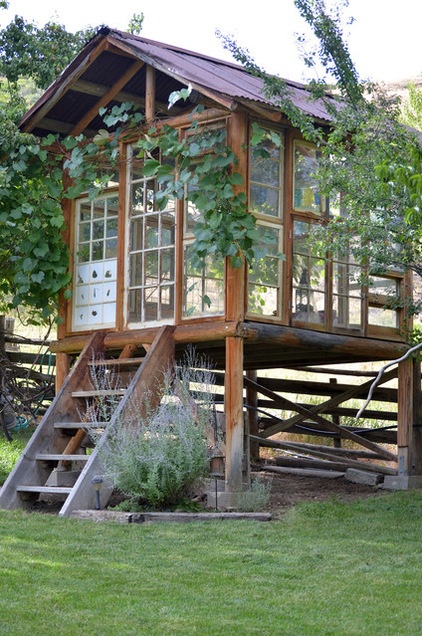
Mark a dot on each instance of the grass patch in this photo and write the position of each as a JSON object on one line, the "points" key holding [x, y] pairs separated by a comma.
{"points": [[327, 569], [11, 451]]}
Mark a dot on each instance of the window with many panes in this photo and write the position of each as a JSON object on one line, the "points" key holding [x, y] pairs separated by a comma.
{"points": [[383, 295], [306, 196], [95, 263], [309, 278], [266, 172], [151, 252], [347, 303], [203, 284], [329, 292]]}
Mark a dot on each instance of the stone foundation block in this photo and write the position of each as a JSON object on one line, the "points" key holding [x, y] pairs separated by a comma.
{"points": [[402, 482], [363, 477]]}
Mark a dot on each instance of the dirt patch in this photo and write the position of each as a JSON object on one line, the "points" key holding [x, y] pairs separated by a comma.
{"points": [[289, 490]]}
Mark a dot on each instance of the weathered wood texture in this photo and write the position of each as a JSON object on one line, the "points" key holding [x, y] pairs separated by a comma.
{"points": [[234, 414], [313, 414], [27, 471], [146, 379], [409, 418], [328, 457]]}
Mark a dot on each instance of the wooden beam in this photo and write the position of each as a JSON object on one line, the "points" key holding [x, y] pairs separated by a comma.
{"points": [[309, 387], [98, 90], [106, 98], [150, 94], [62, 88], [417, 420], [306, 340], [408, 403], [253, 419], [190, 332], [338, 462], [235, 286], [62, 369], [235, 312], [234, 414]]}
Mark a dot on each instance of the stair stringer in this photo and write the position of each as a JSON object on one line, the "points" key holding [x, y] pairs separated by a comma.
{"points": [[146, 378], [27, 471]]}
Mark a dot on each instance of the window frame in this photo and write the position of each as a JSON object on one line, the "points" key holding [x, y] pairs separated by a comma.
{"points": [[276, 222]]}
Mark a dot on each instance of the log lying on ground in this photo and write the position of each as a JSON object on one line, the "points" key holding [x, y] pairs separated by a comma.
{"points": [[306, 472], [329, 459]]}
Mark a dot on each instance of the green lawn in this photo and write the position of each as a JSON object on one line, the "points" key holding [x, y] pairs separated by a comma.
{"points": [[11, 451], [328, 568]]}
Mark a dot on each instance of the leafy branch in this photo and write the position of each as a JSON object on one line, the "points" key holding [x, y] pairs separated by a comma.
{"points": [[202, 168]]}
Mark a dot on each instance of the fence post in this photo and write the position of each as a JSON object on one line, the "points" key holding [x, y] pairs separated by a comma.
{"points": [[2, 335]]}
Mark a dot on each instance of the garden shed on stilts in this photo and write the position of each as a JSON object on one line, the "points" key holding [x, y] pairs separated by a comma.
{"points": [[140, 298]]}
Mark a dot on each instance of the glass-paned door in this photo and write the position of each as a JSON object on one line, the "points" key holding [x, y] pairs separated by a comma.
{"points": [[151, 297], [95, 270]]}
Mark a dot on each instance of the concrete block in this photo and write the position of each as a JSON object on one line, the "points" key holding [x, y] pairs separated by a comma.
{"points": [[363, 477], [402, 482], [225, 500], [63, 477]]}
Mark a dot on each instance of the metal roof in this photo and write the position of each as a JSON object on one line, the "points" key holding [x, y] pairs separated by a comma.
{"points": [[111, 52]]}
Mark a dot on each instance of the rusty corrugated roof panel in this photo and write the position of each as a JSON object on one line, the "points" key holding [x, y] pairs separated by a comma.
{"points": [[110, 52], [227, 78]]}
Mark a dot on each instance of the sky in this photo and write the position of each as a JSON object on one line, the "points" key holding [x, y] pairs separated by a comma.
{"points": [[384, 40]]}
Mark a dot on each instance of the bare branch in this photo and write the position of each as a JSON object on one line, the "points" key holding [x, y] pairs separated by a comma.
{"points": [[381, 372]]}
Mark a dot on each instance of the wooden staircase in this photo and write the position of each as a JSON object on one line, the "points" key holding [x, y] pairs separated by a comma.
{"points": [[54, 465]]}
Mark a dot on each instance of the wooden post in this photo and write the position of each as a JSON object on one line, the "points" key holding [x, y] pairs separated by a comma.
{"points": [[150, 94], [235, 311], [234, 413], [2, 335], [234, 381], [252, 402], [417, 420], [62, 369], [409, 434], [336, 420]]}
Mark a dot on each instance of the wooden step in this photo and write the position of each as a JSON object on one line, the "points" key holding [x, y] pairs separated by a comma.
{"points": [[117, 362], [76, 425], [51, 490], [58, 457], [98, 393]]}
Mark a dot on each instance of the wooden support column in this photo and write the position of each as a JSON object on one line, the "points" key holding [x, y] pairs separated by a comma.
{"points": [[252, 414], [65, 314], [409, 433], [150, 94], [233, 390], [235, 311], [234, 414], [405, 417], [417, 420], [62, 369]]}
